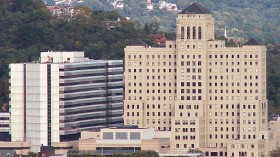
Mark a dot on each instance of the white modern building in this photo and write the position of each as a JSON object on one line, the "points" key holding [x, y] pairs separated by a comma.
{"points": [[53, 100], [4, 122], [4, 126]]}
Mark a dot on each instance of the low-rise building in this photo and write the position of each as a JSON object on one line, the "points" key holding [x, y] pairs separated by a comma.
{"points": [[122, 140], [21, 148], [274, 134]]}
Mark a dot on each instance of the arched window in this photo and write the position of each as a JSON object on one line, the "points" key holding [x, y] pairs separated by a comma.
{"points": [[194, 32], [188, 32], [182, 32], [199, 33]]}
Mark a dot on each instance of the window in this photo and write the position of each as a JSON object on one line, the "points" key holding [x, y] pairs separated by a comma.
{"points": [[199, 33], [194, 84], [194, 32], [182, 32], [188, 33]]}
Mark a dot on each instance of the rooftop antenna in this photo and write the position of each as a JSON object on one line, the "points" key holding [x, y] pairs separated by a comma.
{"points": [[225, 35]]}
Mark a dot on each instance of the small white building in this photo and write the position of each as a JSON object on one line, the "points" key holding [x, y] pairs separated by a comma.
{"points": [[150, 7]]}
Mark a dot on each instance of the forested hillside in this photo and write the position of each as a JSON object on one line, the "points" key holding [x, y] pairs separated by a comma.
{"points": [[26, 29], [243, 18], [273, 78]]}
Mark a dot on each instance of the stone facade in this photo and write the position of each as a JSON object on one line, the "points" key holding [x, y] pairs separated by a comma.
{"points": [[209, 96]]}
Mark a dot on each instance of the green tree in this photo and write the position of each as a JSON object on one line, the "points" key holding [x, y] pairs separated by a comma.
{"points": [[149, 154], [147, 28], [85, 155], [275, 153], [120, 155], [151, 28], [31, 154], [136, 155], [27, 29]]}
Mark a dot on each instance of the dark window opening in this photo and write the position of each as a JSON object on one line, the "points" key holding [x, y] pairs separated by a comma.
{"points": [[194, 32], [188, 33], [199, 33], [182, 33]]}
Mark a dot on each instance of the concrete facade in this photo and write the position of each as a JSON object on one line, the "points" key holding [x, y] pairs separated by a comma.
{"points": [[209, 96]]}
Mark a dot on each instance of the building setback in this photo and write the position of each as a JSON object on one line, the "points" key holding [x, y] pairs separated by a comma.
{"points": [[209, 96], [63, 94]]}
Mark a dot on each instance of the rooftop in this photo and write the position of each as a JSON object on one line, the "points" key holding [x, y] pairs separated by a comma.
{"points": [[137, 42], [195, 8], [252, 41], [126, 127]]}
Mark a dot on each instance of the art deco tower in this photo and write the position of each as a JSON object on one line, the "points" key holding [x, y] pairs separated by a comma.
{"points": [[209, 96]]}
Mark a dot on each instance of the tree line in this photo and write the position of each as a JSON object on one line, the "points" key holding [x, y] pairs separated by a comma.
{"points": [[244, 19], [27, 28]]}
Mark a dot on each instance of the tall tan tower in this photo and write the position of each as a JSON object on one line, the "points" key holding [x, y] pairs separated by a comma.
{"points": [[209, 96]]}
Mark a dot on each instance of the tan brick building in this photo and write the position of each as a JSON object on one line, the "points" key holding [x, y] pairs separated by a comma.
{"points": [[209, 96]]}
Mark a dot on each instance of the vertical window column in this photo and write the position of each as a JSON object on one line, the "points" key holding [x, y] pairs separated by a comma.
{"points": [[194, 32], [182, 32], [49, 102], [24, 101], [199, 33], [188, 32]]}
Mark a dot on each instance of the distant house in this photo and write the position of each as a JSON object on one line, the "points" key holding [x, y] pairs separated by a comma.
{"points": [[67, 11], [168, 6], [171, 7], [159, 39], [118, 4], [55, 10], [64, 2], [113, 24], [150, 7]]}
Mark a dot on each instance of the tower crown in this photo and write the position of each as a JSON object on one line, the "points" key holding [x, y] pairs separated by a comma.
{"points": [[195, 23], [195, 8]]}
